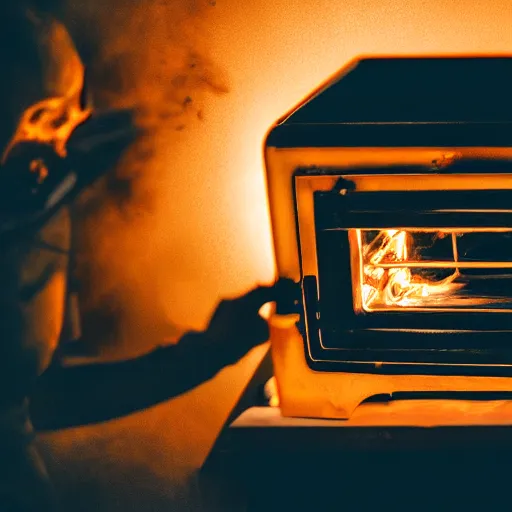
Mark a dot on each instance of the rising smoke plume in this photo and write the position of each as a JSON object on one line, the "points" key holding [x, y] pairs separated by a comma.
{"points": [[151, 55]]}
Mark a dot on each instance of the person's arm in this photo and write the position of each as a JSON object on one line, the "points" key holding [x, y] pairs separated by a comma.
{"points": [[76, 395], [67, 396]]}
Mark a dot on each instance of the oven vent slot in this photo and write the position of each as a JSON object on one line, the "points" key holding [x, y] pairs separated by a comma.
{"points": [[440, 395]]}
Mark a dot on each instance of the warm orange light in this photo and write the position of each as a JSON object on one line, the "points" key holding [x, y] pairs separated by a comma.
{"points": [[271, 392], [395, 274], [53, 120]]}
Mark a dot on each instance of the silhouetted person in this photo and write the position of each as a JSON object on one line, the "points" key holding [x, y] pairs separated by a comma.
{"points": [[35, 238]]}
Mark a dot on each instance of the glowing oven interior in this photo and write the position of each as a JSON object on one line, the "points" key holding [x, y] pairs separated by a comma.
{"points": [[414, 271], [432, 270]]}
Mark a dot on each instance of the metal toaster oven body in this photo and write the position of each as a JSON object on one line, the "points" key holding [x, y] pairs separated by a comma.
{"points": [[390, 191]]}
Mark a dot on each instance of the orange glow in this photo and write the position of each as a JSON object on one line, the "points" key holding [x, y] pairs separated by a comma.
{"points": [[271, 392], [52, 120], [39, 167], [396, 286], [394, 275]]}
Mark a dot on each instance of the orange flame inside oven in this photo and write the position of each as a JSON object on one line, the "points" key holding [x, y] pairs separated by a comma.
{"points": [[426, 270]]}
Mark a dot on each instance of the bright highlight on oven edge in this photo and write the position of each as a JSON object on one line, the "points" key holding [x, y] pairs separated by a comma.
{"points": [[441, 270]]}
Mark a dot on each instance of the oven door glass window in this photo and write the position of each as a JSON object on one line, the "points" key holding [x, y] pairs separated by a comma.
{"points": [[433, 270], [424, 271]]}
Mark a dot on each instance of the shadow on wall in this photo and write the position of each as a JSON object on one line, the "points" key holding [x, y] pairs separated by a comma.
{"points": [[152, 55]]}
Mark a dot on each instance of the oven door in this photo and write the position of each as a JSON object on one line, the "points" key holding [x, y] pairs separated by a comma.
{"points": [[416, 281]]}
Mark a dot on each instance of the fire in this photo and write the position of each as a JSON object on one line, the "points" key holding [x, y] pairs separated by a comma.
{"points": [[53, 120], [388, 277]]}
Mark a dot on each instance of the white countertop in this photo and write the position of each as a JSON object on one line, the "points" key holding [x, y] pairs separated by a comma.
{"points": [[400, 413]]}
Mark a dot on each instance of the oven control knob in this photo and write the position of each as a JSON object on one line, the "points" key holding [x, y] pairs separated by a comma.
{"points": [[289, 295]]}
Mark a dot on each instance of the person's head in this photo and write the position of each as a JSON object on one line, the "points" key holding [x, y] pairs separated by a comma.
{"points": [[38, 61]]}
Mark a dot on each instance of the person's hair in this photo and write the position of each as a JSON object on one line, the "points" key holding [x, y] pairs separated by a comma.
{"points": [[47, 6]]}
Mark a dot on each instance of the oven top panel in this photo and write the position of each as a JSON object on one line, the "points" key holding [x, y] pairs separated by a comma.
{"points": [[404, 101], [415, 90]]}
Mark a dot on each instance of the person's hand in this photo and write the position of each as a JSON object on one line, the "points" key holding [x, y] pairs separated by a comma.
{"points": [[236, 325]]}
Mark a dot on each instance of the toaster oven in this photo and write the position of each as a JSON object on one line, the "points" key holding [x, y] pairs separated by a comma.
{"points": [[390, 193]]}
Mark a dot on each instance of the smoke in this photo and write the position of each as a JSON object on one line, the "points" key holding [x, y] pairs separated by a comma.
{"points": [[151, 55]]}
